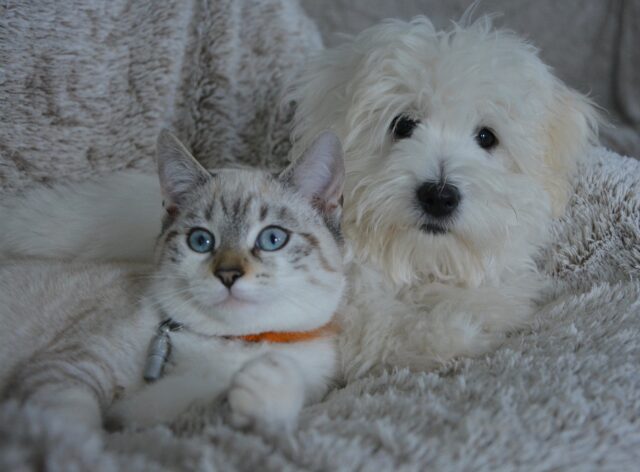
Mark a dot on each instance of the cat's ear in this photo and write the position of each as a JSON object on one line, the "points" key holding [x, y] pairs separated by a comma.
{"points": [[319, 174], [178, 170]]}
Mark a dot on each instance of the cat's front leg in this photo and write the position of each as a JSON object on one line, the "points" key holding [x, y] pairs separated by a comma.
{"points": [[76, 405], [268, 390]]}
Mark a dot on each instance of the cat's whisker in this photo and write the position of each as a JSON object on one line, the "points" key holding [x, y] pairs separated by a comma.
{"points": [[169, 300], [295, 302], [157, 277]]}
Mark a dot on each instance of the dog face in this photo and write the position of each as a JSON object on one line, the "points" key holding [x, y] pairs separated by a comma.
{"points": [[458, 146]]}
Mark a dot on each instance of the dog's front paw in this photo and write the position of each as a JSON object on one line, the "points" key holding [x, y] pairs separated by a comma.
{"points": [[267, 391]]}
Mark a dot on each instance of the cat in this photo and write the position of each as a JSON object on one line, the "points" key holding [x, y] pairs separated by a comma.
{"points": [[248, 274]]}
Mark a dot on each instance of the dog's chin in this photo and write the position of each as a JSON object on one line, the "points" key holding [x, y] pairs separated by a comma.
{"points": [[434, 229]]}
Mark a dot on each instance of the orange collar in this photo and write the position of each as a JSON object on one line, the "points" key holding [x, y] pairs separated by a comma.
{"points": [[160, 345], [329, 329]]}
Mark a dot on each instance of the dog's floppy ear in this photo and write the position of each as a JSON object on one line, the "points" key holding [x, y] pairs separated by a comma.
{"points": [[571, 130]]}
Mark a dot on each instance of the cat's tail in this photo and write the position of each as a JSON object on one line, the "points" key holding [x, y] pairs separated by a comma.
{"points": [[114, 218]]}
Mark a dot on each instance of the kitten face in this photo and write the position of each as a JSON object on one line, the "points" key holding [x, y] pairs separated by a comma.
{"points": [[243, 252]]}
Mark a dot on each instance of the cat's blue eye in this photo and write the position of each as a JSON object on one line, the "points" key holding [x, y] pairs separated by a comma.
{"points": [[200, 240], [272, 238]]}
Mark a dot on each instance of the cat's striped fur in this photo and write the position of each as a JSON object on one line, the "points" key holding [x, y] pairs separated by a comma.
{"points": [[75, 337]]}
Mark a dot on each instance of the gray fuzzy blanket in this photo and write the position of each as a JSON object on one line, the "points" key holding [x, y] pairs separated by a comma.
{"points": [[86, 85], [84, 88]]}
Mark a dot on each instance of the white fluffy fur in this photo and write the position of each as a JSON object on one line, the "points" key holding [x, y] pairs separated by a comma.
{"points": [[420, 299]]}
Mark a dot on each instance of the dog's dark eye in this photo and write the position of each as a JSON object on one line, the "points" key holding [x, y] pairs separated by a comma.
{"points": [[486, 139], [402, 127]]}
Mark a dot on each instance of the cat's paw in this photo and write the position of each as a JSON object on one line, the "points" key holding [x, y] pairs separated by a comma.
{"points": [[268, 391]]}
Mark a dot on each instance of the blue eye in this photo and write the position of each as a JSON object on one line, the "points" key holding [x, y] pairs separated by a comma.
{"points": [[272, 238], [200, 240]]}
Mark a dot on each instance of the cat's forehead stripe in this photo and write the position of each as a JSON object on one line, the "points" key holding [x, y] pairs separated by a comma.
{"points": [[264, 210], [236, 209], [223, 204], [285, 215], [245, 206], [208, 213], [240, 212]]}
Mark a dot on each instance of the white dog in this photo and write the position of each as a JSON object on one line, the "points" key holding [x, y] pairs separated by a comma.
{"points": [[459, 147]]}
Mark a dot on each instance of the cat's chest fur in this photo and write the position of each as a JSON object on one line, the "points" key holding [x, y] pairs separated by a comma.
{"points": [[216, 356], [221, 357], [203, 368], [187, 352]]}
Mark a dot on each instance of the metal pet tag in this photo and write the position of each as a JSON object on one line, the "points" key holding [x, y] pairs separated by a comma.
{"points": [[159, 350]]}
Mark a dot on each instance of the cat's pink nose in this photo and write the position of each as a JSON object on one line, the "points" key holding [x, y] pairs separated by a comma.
{"points": [[229, 275]]}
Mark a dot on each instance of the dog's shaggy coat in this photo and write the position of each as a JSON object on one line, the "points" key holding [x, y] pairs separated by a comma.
{"points": [[426, 290]]}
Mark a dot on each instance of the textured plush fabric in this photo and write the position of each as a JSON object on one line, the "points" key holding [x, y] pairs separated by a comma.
{"points": [[592, 45], [563, 396], [84, 88], [86, 85]]}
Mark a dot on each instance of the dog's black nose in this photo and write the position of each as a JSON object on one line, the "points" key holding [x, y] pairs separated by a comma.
{"points": [[437, 199]]}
